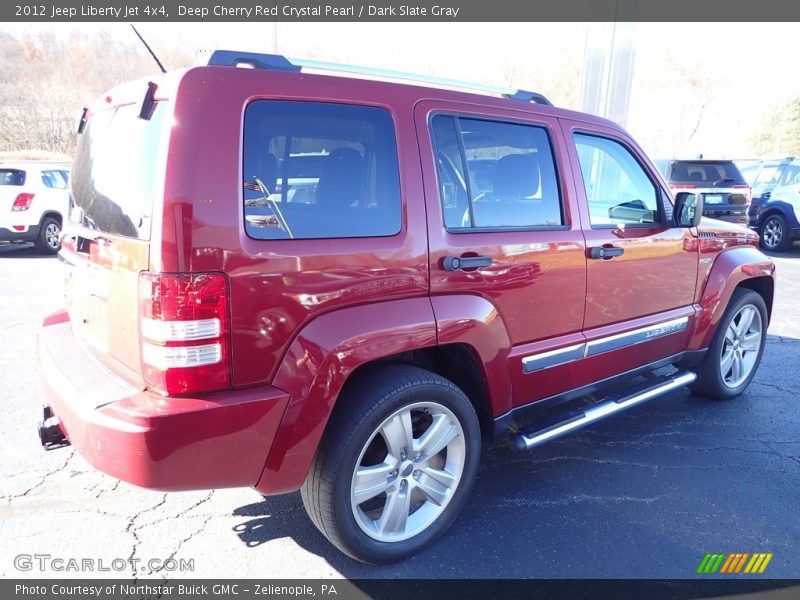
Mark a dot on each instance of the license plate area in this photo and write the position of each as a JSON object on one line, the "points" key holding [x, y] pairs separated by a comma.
{"points": [[712, 199]]}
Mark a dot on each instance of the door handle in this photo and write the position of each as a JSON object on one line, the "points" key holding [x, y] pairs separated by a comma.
{"points": [[605, 252], [455, 263]]}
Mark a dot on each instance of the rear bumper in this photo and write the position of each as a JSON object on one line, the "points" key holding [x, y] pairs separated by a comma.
{"points": [[736, 215], [212, 441], [12, 235]]}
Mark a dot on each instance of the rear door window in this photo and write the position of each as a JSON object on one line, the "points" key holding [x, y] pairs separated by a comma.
{"points": [[54, 179], [495, 175], [319, 170]]}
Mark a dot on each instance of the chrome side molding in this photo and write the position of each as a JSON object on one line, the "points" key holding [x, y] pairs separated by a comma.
{"points": [[560, 356], [536, 362], [637, 336]]}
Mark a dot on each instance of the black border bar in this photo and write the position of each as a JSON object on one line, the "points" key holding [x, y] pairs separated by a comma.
{"points": [[398, 589], [197, 11]]}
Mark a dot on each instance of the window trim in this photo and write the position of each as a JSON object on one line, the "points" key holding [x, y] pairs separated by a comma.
{"points": [[388, 110], [456, 115], [659, 192]]}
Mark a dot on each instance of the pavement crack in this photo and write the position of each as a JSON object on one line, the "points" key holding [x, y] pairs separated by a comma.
{"points": [[180, 544], [133, 529], [42, 481]]}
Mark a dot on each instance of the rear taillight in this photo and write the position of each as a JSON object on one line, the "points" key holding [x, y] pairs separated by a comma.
{"points": [[746, 191], [23, 202], [681, 186], [184, 332]]}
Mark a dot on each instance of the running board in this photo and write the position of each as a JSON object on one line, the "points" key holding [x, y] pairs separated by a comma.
{"points": [[601, 410]]}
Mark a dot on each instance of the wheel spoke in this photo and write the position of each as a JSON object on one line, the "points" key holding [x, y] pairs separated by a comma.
{"points": [[436, 484], [398, 434], [745, 320], [730, 334], [751, 341], [395, 512], [440, 433], [736, 368], [372, 481], [726, 362]]}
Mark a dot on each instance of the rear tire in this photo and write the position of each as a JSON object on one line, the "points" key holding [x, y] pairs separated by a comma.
{"points": [[49, 239], [396, 464], [735, 352], [775, 234]]}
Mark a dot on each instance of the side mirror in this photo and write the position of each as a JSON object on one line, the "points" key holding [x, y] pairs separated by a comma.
{"points": [[688, 209]]}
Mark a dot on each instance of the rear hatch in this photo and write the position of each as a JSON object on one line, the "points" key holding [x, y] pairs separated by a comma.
{"points": [[723, 188], [116, 184]]}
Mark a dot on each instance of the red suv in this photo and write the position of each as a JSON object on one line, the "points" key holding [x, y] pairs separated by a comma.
{"points": [[289, 280]]}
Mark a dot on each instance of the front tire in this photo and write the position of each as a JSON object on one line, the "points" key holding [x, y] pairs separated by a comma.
{"points": [[735, 352], [396, 464], [775, 234]]}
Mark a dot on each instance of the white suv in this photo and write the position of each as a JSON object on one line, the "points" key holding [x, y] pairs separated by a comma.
{"points": [[34, 198]]}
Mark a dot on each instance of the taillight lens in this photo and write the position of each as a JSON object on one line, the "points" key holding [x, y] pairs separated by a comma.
{"points": [[22, 202], [746, 190], [184, 332], [681, 186]]}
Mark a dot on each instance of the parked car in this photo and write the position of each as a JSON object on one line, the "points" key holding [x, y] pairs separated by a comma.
{"points": [[726, 194], [360, 345], [33, 202], [775, 219]]}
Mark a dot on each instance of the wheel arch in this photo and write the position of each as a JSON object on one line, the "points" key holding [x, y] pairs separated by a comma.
{"points": [[338, 346], [740, 266]]}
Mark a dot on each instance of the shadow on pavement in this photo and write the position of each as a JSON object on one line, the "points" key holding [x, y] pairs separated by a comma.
{"points": [[22, 251]]}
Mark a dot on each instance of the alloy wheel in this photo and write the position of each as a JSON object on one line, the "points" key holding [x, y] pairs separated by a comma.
{"points": [[407, 472], [741, 346]]}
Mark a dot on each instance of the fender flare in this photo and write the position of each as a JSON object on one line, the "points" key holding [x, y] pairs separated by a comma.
{"points": [[330, 348], [730, 269]]}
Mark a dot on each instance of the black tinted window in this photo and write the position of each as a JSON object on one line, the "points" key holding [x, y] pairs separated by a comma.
{"points": [[495, 175], [316, 170], [706, 172], [114, 174], [54, 179], [12, 177]]}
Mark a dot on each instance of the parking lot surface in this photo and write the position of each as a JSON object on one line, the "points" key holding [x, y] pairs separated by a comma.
{"points": [[646, 494]]}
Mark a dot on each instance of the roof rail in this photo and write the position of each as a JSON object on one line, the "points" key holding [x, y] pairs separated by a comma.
{"points": [[277, 62]]}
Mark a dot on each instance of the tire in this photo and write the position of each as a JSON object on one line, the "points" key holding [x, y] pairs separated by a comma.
{"points": [[775, 234], [368, 432], [49, 239], [711, 381]]}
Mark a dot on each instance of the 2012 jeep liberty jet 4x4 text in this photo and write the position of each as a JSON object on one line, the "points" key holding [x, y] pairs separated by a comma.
{"points": [[285, 279]]}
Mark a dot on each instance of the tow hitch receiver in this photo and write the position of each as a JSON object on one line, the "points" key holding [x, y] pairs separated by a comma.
{"points": [[50, 434]]}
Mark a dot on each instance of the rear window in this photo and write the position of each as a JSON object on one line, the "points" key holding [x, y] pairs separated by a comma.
{"points": [[12, 177], [319, 170], [113, 176], [706, 173]]}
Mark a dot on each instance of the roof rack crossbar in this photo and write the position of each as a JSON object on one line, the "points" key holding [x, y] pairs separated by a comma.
{"points": [[278, 62]]}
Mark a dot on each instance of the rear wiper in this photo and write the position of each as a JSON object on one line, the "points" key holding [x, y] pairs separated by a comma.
{"points": [[719, 182], [276, 210]]}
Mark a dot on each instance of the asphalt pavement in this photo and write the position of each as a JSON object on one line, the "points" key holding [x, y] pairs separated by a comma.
{"points": [[643, 495]]}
